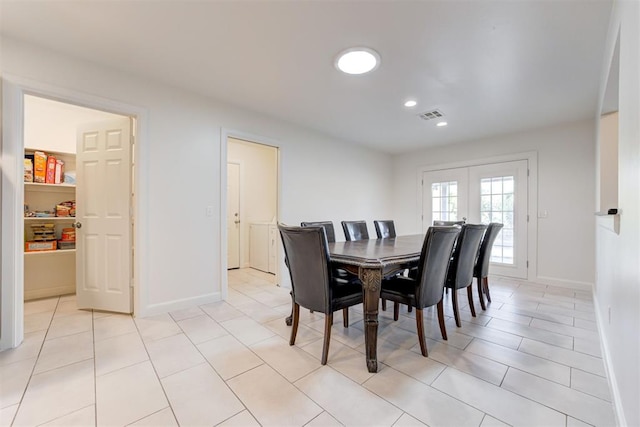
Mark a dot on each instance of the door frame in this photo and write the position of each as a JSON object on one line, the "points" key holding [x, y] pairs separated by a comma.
{"points": [[14, 88], [240, 208], [532, 197], [225, 134]]}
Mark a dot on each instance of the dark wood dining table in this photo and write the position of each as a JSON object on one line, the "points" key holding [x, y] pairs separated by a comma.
{"points": [[372, 260]]}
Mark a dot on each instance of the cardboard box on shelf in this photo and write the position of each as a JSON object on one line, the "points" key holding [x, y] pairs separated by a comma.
{"points": [[28, 170], [50, 177], [39, 167], [59, 174], [40, 246]]}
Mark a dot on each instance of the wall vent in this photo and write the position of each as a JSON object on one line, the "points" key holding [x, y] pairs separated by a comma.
{"points": [[430, 115]]}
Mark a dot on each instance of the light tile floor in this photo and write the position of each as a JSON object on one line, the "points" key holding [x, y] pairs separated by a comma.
{"points": [[532, 358]]}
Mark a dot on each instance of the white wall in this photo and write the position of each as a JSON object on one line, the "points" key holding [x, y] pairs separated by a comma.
{"points": [[617, 287], [566, 188], [179, 158], [258, 187], [52, 125]]}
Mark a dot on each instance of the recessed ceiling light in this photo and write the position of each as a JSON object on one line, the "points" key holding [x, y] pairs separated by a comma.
{"points": [[357, 60], [440, 124], [410, 103]]}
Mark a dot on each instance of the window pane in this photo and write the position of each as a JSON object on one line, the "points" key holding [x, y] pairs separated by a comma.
{"points": [[496, 217], [507, 184], [485, 186], [496, 202], [496, 185], [485, 217], [508, 202], [508, 220], [435, 190], [485, 203]]}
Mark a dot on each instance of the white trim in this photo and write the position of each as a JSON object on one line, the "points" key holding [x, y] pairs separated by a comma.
{"points": [[181, 304], [225, 134], [12, 323], [565, 283], [532, 202], [14, 90], [616, 398]]}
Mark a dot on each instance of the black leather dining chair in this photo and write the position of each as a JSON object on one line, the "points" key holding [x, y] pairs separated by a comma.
{"points": [[328, 228], [355, 230], [460, 273], [331, 238], [481, 269], [448, 223], [385, 229], [427, 288], [313, 285]]}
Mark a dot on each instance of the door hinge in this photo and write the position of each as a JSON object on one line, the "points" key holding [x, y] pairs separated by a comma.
{"points": [[527, 172], [527, 264], [527, 218], [422, 182]]}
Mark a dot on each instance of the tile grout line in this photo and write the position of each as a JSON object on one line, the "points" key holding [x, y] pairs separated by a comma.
{"points": [[24, 392]]}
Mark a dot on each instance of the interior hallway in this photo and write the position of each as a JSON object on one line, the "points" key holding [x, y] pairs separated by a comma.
{"points": [[532, 358]]}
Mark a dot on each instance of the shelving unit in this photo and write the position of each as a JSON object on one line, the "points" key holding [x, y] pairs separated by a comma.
{"points": [[49, 273]]}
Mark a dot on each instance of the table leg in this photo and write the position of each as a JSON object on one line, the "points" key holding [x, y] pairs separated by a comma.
{"points": [[371, 281]]}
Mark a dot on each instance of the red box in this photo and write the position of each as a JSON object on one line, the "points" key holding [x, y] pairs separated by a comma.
{"points": [[50, 177]]}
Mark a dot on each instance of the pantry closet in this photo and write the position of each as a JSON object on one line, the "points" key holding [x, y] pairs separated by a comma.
{"points": [[50, 142]]}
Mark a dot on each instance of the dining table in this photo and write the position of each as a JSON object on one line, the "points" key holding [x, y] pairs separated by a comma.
{"points": [[372, 260]]}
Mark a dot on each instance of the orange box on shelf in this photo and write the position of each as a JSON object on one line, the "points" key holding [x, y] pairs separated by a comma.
{"points": [[40, 246], [39, 167]]}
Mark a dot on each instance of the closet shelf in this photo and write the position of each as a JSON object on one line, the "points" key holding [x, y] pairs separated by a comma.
{"points": [[45, 253]]}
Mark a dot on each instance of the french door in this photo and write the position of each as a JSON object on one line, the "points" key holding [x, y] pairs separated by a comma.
{"points": [[495, 192]]}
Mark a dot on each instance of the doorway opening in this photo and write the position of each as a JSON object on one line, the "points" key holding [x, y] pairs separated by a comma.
{"points": [[78, 193], [252, 212]]}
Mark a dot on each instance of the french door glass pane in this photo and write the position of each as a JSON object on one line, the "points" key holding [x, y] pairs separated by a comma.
{"points": [[496, 205], [444, 197]]}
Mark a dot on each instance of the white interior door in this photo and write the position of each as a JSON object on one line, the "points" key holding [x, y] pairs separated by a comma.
{"points": [[233, 215], [103, 215], [444, 196], [496, 192]]}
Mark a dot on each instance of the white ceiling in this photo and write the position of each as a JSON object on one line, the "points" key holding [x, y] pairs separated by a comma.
{"points": [[492, 67]]}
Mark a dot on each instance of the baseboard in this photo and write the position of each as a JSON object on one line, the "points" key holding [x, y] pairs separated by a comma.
{"points": [[155, 309], [49, 292], [564, 283], [611, 377]]}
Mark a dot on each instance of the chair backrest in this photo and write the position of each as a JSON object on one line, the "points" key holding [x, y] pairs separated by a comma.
{"points": [[465, 252], [307, 257], [355, 230], [447, 223], [484, 254], [385, 228], [434, 263], [328, 228]]}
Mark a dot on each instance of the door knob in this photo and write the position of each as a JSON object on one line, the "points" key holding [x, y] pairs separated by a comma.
{"points": [[77, 225]]}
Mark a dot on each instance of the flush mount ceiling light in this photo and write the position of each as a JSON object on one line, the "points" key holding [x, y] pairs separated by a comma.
{"points": [[410, 103], [357, 60]]}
